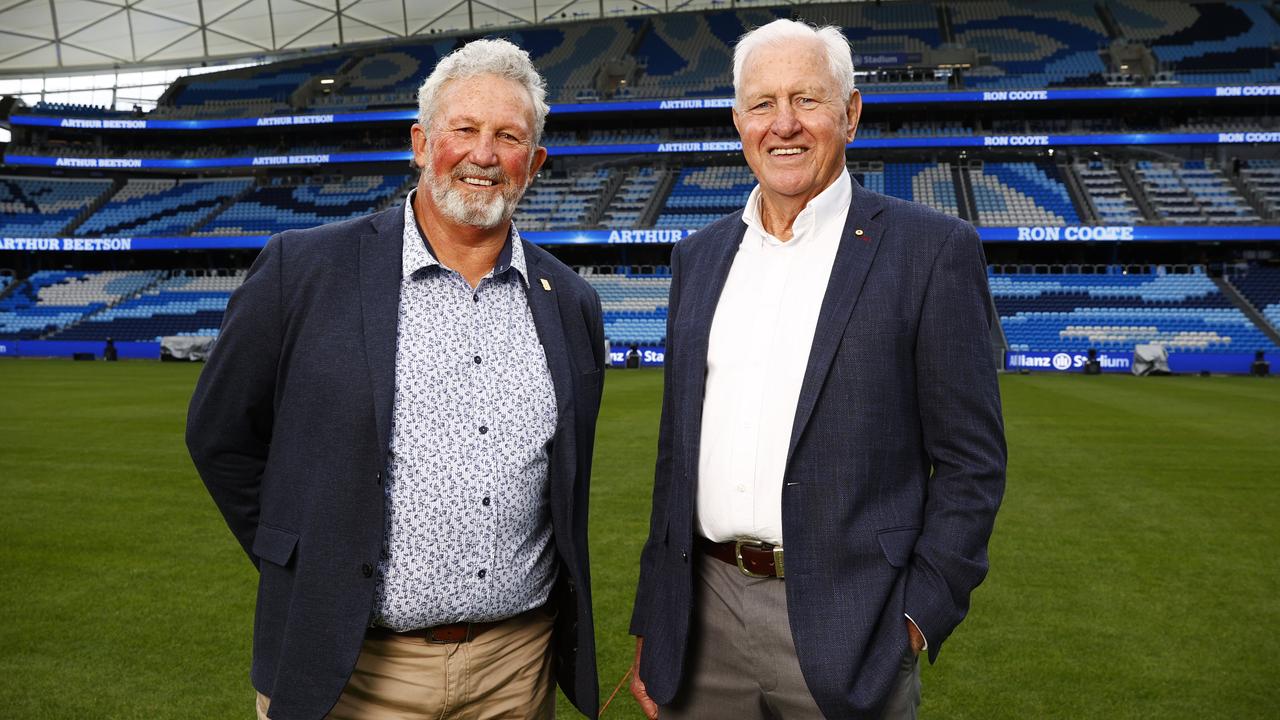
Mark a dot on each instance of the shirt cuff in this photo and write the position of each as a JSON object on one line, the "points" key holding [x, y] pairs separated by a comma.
{"points": [[917, 627]]}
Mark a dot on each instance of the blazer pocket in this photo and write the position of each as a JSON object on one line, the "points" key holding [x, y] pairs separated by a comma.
{"points": [[274, 545], [897, 544]]}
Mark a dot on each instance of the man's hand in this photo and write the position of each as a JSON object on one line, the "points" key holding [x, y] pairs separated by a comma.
{"points": [[913, 632], [649, 707]]}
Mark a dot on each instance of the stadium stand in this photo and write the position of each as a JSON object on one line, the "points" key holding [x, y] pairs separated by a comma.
{"points": [[184, 303], [1021, 193], [387, 77], [52, 299], [691, 54], [1205, 42], [1033, 45], [1106, 190], [633, 196], [635, 307], [702, 194], [263, 90], [284, 203], [558, 203], [1072, 313], [928, 183], [1261, 286], [1192, 192], [1262, 177], [45, 206], [161, 206]]}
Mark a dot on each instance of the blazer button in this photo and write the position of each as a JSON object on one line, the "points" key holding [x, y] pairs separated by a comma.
{"points": [[684, 556], [366, 570]]}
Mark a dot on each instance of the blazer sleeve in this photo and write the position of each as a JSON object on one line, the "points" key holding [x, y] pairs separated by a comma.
{"points": [[230, 419], [959, 405], [662, 476]]}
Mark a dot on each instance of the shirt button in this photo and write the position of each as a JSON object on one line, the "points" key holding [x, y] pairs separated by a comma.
{"points": [[481, 574], [366, 570], [484, 429], [475, 297], [476, 359], [741, 488], [485, 502]]}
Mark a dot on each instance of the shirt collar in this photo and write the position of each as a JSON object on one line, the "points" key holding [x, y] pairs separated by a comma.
{"points": [[417, 254], [832, 202]]}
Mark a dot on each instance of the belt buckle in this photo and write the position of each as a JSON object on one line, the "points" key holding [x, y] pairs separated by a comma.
{"points": [[737, 553]]}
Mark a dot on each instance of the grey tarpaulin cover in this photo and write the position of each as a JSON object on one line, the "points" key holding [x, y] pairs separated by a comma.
{"points": [[181, 347], [1150, 359]]}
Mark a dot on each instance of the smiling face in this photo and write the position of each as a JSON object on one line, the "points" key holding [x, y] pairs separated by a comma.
{"points": [[478, 155], [793, 123]]}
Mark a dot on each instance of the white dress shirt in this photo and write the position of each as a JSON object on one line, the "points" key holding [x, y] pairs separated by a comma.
{"points": [[756, 358]]}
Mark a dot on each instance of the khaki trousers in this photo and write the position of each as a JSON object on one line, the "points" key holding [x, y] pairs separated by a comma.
{"points": [[505, 673]]}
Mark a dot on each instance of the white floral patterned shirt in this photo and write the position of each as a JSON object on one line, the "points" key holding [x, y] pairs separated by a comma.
{"points": [[468, 527]]}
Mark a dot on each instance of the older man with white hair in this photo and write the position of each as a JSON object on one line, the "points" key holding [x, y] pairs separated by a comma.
{"points": [[831, 452], [397, 425]]}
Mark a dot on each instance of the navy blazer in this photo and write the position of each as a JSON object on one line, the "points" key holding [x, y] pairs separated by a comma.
{"points": [[896, 462], [290, 426]]}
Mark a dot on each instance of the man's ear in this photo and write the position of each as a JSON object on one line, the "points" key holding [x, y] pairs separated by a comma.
{"points": [[418, 139], [853, 114], [536, 162]]}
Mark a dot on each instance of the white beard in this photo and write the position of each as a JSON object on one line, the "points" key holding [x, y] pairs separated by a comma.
{"points": [[475, 211]]}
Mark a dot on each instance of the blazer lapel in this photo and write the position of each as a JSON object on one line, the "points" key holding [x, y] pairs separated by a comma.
{"points": [[700, 304], [848, 273], [543, 304], [380, 270]]}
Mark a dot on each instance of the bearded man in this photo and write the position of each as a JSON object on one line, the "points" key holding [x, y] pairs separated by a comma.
{"points": [[397, 425]]}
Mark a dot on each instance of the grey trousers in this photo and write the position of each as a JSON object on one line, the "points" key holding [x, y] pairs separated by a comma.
{"points": [[737, 674]]}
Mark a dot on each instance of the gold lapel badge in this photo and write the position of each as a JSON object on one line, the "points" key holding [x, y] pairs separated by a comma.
{"points": [[546, 284]]}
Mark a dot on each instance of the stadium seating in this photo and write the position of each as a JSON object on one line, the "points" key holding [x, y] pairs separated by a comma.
{"points": [[265, 90], [283, 204], [691, 54], [1205, 42], [52, 299], [635, 307], [1031, 44], [182, 304], [1021, 193], [928, 183], [558, 203], [1072, 313], [638, 187], [880, 28], [702, 194], [156, 207], [1192, 192], [1262, 177], [44, 206], [1106, 189], [1261, 286]]}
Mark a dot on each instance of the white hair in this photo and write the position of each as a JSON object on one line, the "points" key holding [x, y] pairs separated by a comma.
{"points": [[833, 42], [486, 57]]}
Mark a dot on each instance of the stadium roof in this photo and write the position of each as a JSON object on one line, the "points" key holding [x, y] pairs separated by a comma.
{"points": [[40, 36]]}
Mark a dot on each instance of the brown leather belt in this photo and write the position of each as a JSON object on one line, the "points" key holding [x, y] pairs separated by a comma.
{"points": [[754, 559], [455, 633]]}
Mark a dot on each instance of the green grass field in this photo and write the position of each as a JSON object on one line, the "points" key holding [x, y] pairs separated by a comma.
{"points": [[1134, 570]]}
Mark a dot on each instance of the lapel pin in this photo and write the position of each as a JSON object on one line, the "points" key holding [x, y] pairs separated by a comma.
{"points": [[546, 284], [858, 232]]}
